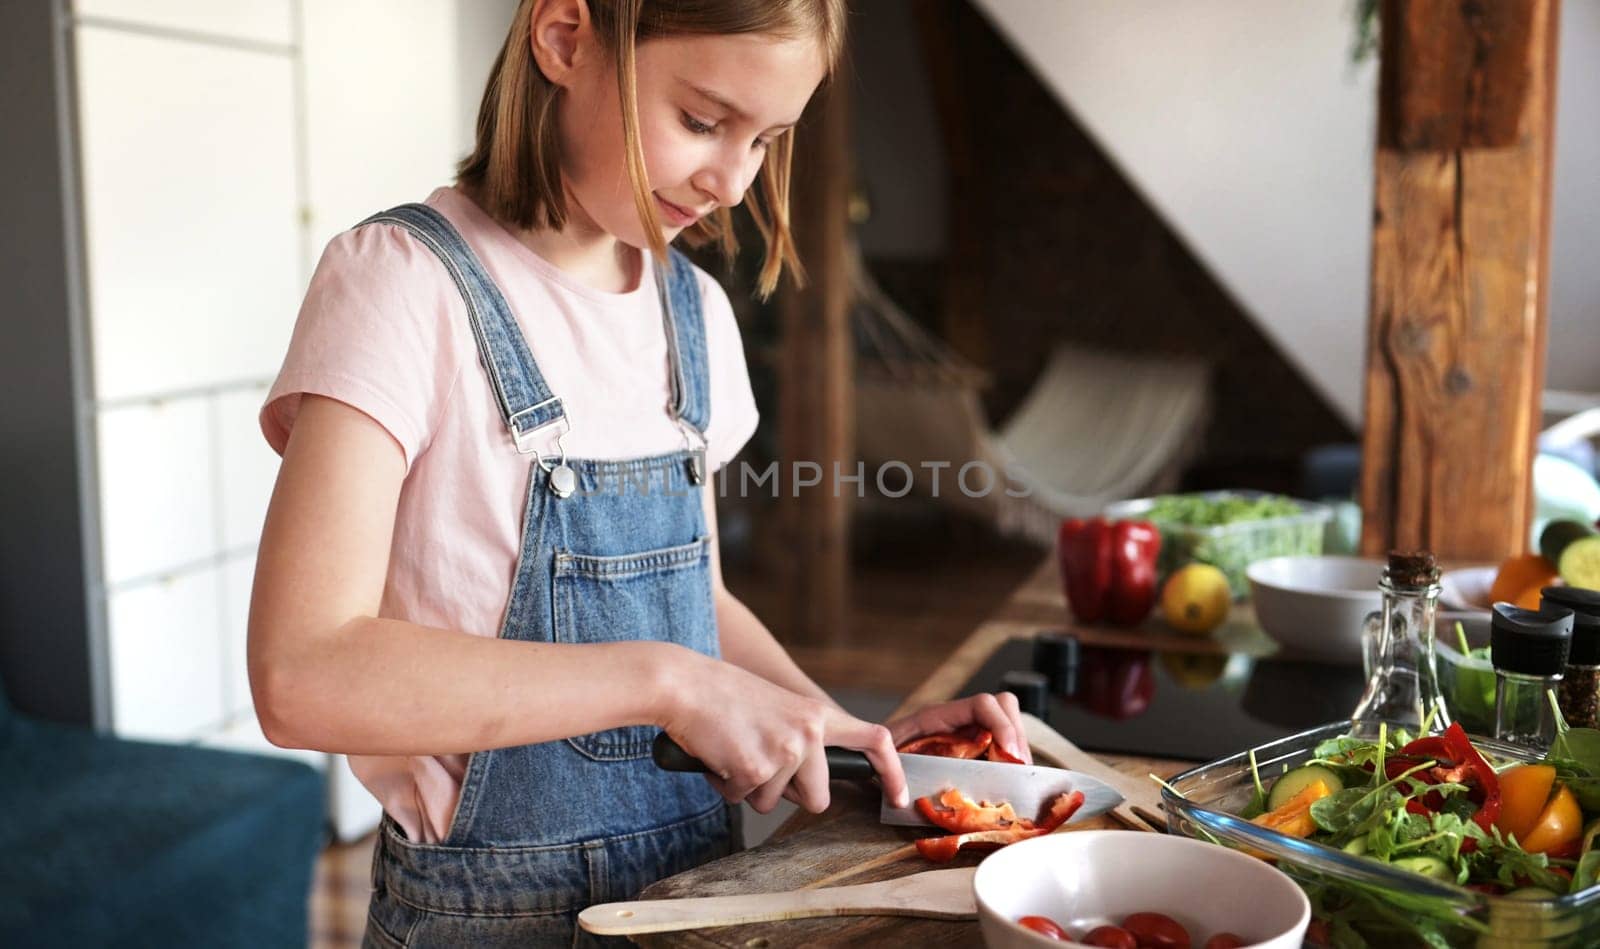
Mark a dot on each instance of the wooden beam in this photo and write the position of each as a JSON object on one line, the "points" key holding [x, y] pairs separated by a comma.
{"points": [[816, 378], [1460, 265]]}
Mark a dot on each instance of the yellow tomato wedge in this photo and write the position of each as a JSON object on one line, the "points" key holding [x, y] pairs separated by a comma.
{"points": [[1294, 816], [1560, 823], [1524, 792]]}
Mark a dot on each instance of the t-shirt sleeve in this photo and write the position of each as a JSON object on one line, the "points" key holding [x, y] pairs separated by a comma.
{"points": [[374, 332], [733, 405]]}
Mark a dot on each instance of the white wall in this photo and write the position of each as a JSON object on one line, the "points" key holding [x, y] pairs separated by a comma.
{"points": [[1244, 123], [1575, 230]]}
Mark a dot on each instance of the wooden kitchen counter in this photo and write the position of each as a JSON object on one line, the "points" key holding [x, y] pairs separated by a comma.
{"points": [[847, 844]]}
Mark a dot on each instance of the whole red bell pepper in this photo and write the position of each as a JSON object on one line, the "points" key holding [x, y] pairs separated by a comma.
{"points": [[1109, 569]]}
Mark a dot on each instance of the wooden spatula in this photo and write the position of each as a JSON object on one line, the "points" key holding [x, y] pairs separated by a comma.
{"points": [[1141, 805], [936, 894]]}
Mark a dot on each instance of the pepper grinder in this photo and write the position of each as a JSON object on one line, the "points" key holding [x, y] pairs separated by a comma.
{"points": [[1529, 651]]}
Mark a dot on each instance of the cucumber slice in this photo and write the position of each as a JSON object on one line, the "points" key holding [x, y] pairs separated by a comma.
{"points": [[1430, 867], [1558, 535], [1580, 563], [1358, 847], [1296, 780], [1532, 893]]}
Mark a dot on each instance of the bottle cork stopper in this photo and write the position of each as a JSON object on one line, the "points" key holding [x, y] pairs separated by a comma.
{"points": [[1412, 568]]}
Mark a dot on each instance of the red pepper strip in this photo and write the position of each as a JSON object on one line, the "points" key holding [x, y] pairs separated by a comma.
{"points": [[1567, 851], [943, 849], [997, 753], [949, 745], [1454, 752], [1488, 785], [959, 814], [1108, 569], [1061, 811]]}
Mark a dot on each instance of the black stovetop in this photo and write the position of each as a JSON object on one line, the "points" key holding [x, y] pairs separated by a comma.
{"points": [[1180, 705]]}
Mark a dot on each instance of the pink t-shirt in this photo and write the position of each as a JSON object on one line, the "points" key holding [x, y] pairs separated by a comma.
{"points": [[384, 329]]}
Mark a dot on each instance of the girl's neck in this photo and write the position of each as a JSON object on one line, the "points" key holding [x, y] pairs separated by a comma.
{"points": [[593, 257]]}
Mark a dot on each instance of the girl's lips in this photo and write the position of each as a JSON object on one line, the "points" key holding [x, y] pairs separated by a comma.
{"points": [[676, 216]]}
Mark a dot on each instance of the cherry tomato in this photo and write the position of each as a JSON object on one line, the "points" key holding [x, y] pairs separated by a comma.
{"points": [[1110, 937], [1156, 931], [1319, 933], [1045, 926], [1224, 941]]}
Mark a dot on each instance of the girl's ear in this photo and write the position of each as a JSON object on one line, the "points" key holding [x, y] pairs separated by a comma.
{"points": [[561, 36]]}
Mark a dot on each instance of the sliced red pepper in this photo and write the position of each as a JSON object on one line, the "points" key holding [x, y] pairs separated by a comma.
{"points": [[959, 814], [1458, 760], [1571, 850], [1061, 810], [950, 744], [1108, 569], [944, 849], [998, 753]]}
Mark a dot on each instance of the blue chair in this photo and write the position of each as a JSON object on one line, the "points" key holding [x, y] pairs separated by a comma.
{"points": [[111, 842]]}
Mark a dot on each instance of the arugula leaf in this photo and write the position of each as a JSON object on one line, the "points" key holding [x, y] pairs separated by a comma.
{"points": [[1354, 808], [1580, 746], [1588, 872]]}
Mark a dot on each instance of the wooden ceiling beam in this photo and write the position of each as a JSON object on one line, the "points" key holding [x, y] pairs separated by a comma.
{"points": [[1460, 268]]}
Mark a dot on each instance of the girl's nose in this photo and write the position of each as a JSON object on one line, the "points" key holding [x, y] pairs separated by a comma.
{"points": [[728, 176]]}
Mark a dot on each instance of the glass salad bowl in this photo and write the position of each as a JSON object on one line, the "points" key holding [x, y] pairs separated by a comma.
{"points": [[1378, 904]]}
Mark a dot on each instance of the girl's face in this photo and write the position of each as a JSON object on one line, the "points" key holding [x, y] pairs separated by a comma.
{"points": [[709, 106]]}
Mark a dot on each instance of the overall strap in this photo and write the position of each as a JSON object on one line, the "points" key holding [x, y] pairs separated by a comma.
{"points": [[686, 342], [526, 403]]}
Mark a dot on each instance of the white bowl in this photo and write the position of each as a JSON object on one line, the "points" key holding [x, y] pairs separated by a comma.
{"points": [[1083, 879], [1316, 605], [1467, 590]]}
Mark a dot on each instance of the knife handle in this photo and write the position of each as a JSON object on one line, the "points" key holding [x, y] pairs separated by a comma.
{"points": [[843, 763]]}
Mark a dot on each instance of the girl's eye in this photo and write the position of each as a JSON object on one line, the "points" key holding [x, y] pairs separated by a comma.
{"points": [[696, 126]]}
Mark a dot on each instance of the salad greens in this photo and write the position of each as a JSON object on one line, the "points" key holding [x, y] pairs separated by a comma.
{"points": [[1430, 805], [1231, 531]]}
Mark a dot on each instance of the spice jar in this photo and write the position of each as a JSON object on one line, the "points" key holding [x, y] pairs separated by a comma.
{"points": [[1579, 692], [1529, 651]]}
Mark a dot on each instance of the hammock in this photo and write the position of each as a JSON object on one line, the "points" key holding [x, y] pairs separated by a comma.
{"points": [[1095, 428]]}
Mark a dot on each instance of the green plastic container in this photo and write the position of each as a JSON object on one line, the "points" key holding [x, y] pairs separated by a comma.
{"points": [[1234, 546]]}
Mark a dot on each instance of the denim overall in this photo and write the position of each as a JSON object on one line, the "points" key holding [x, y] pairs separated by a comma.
{"points": [[611, 551]]}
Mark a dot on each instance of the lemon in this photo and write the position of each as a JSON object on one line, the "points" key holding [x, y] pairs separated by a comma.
{"points": [[1196, 599]]}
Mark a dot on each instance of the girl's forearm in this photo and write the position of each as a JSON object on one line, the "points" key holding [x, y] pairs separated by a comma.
{"points": [[387, 687], [748, 644]]}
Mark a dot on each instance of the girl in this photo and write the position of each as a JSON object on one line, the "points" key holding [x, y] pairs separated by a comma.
{"points": [[498, 417]]}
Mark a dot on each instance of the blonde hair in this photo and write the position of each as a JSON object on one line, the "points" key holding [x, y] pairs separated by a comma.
{"points": [[514, 170]]}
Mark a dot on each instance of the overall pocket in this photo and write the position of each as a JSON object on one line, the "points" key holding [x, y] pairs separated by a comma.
{"points": [[661, 595]]}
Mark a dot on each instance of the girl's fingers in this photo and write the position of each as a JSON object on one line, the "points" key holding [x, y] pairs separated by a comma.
{"points": [[998, 714], [876, 742], [1013, 711], [809, 788], [767, 796], [990, 712]]}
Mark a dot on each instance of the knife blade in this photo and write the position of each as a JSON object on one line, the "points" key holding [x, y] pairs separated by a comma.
{"points": [[1028, 788]]}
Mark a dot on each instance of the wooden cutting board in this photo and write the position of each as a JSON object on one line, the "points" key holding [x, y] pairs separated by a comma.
{"points": [[846, 845]]}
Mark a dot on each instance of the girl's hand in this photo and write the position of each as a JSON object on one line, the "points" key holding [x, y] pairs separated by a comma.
{"points": [[998, 713], [762, 742]]}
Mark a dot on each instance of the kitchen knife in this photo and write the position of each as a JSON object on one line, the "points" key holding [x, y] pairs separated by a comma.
{"points": [[1028, 788]]}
